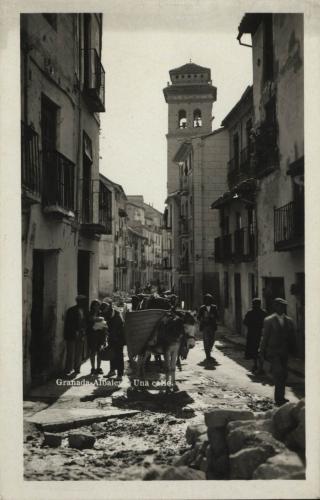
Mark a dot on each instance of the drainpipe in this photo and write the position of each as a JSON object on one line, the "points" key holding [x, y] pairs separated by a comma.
{"points": [[78, 157]]}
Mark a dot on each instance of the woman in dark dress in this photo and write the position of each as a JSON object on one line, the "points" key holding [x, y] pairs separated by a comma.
{"points": [[254, 322]]}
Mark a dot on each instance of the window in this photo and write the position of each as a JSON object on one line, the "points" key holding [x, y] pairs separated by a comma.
{"points": [[272, 288], [86, 180], [105, 208], [238, 221], [268, 48], [52, 20], [197, 120], [226, 289], [49, 112], [236, 149], [182, 119], [270, 112], [248, 134], [251, 287]]}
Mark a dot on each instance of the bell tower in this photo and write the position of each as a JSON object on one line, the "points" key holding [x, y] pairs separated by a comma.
{"points": [[190, 96]]}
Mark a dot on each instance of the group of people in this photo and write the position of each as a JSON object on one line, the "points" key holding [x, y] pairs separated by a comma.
{"points": [[269, 338], [101, 326]]}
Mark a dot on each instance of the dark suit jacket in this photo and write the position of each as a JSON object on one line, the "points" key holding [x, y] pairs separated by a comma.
{"points": [[116, 337], [208, 318], [277, 340], [74, 323]]}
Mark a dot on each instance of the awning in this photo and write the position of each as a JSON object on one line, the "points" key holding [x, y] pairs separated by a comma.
{"points": [[228, 197]]}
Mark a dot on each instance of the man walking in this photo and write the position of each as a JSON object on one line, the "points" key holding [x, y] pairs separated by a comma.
{"points": [[74, 334], [116, 338], [277, 341], [208, 315], [254, 322]]}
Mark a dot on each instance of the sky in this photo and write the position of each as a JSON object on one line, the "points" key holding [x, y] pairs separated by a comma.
{"points": [[142, 41]]}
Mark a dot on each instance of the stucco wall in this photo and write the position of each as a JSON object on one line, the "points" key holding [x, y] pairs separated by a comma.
{"points": [[276, 189], [52, 68]]}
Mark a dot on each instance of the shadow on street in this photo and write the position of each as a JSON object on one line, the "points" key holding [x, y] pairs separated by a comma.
{"points": [[236, 353]]}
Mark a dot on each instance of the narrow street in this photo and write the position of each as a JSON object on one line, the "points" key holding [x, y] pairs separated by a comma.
{"points": [[130, 434]]}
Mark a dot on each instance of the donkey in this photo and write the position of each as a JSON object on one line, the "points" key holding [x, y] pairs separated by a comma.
{"points": [[173, 332]]}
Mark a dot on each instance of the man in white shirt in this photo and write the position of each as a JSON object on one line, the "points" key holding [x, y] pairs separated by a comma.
{"points": [[208, 316]]}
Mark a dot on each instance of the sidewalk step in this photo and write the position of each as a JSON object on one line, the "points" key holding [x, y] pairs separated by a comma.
{"points": [[57, 420]]}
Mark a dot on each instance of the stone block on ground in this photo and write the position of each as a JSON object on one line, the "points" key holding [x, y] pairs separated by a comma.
{"points": [[221, 467], [81, 441], [281, 466], [187, 458], [296, 412], [52, 440], [263, 424], [154, 473], [220, 417], [244, 437], [194, 431], [244, 462], [283, 420], [296, 439], [204, 464], [182, 473], [185, 412], [217, 440]]}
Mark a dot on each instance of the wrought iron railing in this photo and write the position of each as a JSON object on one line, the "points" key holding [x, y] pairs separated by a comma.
{"points": [[105, 208], [58, 180], [30, 160], [94, 80], [289, 226]]}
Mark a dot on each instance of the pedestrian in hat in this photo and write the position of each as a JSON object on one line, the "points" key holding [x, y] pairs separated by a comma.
{"points": [[277, 341], [74, 334], [253, 320], [208, 316], [116, 337]]}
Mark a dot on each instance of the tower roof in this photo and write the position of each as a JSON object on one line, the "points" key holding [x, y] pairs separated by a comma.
{"points": [[189, 68]]}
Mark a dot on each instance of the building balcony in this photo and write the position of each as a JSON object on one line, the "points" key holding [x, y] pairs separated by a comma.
{"points": [[58, 196], [94, 81], [266, 155], [183, 226], [184, 266], [223, 248], [244, 248], [95, 208], [121, 263], [167, 266], [289, 226], [30, 165], [105, 209], [239, 172], [184, 184]]}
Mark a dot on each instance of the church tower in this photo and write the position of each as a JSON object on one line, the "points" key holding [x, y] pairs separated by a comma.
{"points": [[190, 96]]}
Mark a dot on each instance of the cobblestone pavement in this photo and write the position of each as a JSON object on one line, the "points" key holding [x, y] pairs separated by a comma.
{"points": [[127, 445]]}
